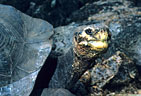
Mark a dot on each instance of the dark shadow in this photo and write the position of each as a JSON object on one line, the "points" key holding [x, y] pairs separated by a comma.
{"points": [[44, 76]]}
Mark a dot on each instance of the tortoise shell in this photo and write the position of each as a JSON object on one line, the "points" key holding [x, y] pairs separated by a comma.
{"points": [[24, 44]]}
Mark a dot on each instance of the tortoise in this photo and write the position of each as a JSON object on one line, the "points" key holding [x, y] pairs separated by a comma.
{"points": [[24, 46]]}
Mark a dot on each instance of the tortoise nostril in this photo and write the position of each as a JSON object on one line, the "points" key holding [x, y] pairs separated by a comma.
{"points": [[79, 32], [97, 30]]}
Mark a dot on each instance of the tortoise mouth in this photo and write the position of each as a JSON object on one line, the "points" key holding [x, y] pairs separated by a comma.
{"points": [[98, 45], [95, 44]]}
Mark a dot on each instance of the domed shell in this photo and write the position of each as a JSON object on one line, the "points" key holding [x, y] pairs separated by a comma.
{"points": [[24, 44]]}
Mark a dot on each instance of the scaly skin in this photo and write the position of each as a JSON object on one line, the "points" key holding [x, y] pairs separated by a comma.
{"points": [[88, 45]]}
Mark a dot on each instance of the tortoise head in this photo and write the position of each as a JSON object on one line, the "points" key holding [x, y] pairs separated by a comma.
{"points": [[91, 42]]}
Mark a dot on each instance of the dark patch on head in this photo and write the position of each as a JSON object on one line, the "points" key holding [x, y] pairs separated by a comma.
{"points": [[77, 38], [87, 46], [75, 35], [80, 39], [109, 33]]}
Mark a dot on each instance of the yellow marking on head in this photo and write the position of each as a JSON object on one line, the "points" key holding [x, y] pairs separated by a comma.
{"points": [[98, 45], [102, 35]]}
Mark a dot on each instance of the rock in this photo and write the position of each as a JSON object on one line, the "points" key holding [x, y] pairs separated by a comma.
{"points": [[95, 8], [25, 44], [21, 5], [103, 73], [58, 9], [56, 92], [127, 72]]}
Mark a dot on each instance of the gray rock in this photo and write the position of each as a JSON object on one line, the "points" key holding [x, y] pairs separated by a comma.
{"points": [[93, 9], [21, 5], [56, 92], [54, 11], [24, 46]]}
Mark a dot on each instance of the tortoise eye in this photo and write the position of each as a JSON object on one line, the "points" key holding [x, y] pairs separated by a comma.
{"points": [[88, 31]]}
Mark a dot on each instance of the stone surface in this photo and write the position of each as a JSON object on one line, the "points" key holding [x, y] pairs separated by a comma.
{"points": [[56, 92], [24, 46], [103, 73], [58, 9], [96, 8], [126, 72]]}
